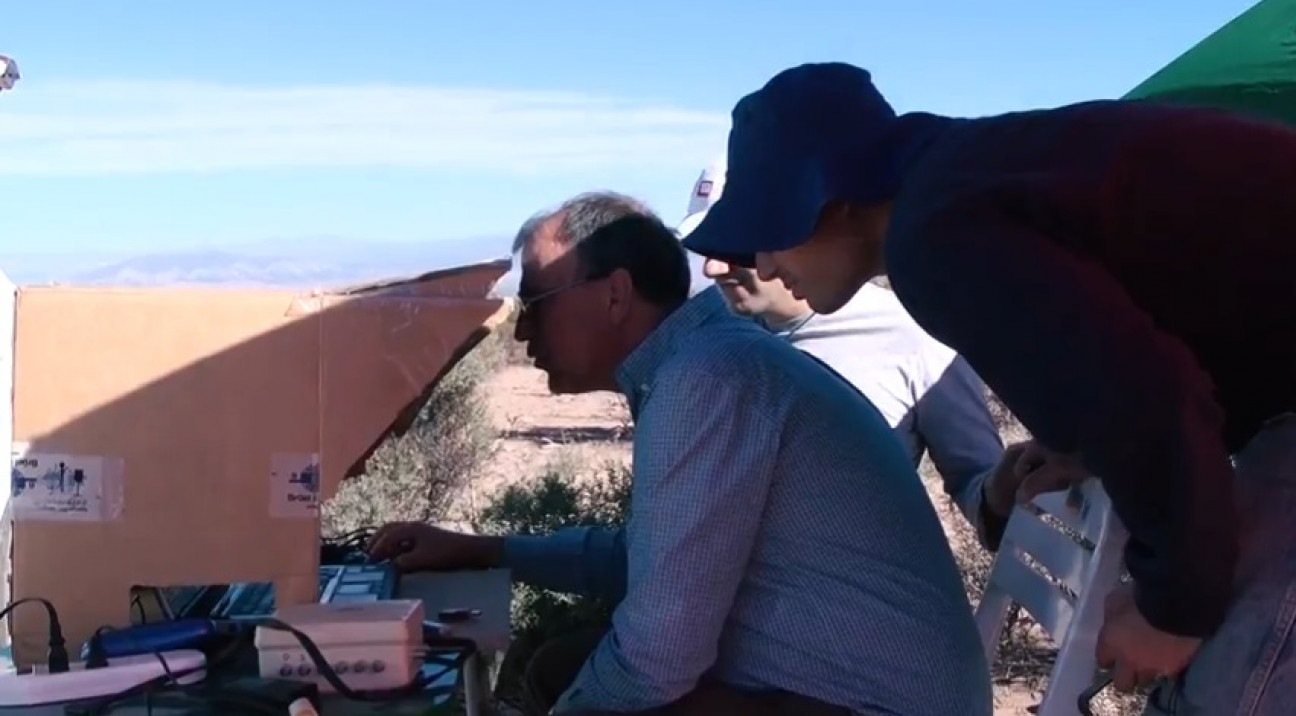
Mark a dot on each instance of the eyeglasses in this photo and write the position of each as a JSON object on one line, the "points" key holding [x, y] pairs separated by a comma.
{"points": [[527, 303]]}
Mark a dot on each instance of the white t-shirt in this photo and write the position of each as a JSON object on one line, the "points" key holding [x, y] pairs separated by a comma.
{"points": [[926, 391]]}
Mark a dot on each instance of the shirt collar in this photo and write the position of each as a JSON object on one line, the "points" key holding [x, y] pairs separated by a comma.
{"points": [[637, 371], [781, 327]]}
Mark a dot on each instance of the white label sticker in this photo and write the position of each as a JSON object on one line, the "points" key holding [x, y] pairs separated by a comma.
{"points": [[53, 486], [294, 485]]}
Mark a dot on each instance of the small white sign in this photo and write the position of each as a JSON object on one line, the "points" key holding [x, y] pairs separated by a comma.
{"points": [[294, 485], [54, 486]]}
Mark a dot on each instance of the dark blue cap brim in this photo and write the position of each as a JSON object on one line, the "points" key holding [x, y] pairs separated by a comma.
{"points": [[762, 210]]}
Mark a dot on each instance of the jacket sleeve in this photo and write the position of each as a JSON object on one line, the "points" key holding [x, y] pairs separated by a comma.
{"points": [[577, 560], [955, 424], [1086, 370]]}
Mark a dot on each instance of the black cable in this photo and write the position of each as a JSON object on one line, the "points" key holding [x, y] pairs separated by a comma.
{"points": [[217, 701], [168, 685], [347, 547], [95, 656], [57, 658], [227, 700], [138, 606], [147, 689], [465, 648], [170, 680], [96, 659]]}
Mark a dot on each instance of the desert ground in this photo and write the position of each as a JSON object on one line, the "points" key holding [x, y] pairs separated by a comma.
{"points": [[537, 428]]}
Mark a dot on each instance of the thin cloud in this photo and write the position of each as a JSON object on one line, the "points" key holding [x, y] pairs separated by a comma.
{"points": [[129, 127]]}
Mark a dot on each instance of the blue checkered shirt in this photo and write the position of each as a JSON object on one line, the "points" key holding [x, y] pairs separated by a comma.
{"points": [[778, 539]]}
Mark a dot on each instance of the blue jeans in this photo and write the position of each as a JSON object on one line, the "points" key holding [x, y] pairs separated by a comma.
{"points": [[1248, 667]]}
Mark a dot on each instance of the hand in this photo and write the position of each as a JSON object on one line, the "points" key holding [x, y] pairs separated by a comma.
{"points": [[416, 547], [1026, 470], [1138, 653]]}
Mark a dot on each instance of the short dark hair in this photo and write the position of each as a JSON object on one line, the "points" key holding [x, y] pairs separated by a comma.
{"points": [[611, 231]]}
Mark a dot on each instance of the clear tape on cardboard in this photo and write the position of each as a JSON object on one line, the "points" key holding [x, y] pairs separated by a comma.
{"points": [[473, 282], [47, 486], [310, 303], [305, 304], [401, 317]]}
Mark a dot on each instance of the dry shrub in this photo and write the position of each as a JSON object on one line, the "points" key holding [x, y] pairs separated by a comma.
{"points": [[565, 495], [416, 476]]}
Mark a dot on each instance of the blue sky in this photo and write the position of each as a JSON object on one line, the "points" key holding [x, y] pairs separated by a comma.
{"points": [[156, 125]]}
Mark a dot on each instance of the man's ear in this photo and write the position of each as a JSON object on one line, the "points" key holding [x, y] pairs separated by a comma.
{"points": [[620, 292]]}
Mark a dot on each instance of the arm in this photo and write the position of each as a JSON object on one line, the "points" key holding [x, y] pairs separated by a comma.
{"points": [[1062, 343], [704, 458], [577, 560], [955, 423]]}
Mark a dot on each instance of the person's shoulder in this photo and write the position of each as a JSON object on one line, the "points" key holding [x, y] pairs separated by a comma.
{"points": [[887, 325], [1012, 167], [1127, 124], [879, 312], [1040, 137], [734, 354], [1098, 112], [725, 347], [872, 299]]}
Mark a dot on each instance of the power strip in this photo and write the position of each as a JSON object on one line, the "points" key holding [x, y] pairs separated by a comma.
{"points": [[44, 689]]}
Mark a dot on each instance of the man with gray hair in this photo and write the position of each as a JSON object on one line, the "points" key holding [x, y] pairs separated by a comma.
{"points": [[780, 557]]}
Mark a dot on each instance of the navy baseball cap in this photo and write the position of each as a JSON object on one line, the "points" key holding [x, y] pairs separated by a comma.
{"points": [[812, 134]]}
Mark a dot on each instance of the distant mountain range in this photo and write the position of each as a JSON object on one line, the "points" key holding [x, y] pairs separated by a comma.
{"points": [[299, 263], [317, 262]]}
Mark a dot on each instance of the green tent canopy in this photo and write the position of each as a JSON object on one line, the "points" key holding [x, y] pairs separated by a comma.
{"points": [[1249, 66]]}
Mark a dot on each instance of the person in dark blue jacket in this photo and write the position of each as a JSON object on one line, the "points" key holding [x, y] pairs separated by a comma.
{"points": [[1123, 276]]}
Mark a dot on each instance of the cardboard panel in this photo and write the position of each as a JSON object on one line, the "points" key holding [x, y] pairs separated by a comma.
{"points": [[186, 436]]}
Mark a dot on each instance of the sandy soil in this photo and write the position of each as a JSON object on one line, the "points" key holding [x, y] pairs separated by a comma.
{"points": [[538, 428]]}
